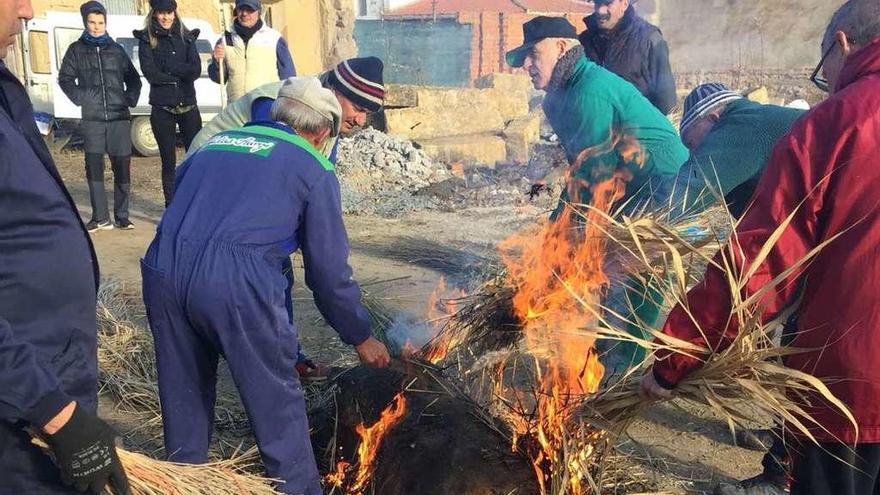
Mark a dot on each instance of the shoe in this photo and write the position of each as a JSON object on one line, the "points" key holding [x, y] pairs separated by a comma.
{"points": [[95, 226], [125, 225], [311, 373], [759, 485], [759, 440]]}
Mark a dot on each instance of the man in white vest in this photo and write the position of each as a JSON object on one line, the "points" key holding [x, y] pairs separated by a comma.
{"points": [[254, 53]]}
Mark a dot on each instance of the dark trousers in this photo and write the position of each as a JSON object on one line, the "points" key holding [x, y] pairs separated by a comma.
{"points": [[835, 469], [165, 124], [121, 166], [249, 326]]}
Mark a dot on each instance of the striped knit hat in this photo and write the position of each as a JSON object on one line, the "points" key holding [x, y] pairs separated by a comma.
{"points": [[703, 99], [360, 80]]}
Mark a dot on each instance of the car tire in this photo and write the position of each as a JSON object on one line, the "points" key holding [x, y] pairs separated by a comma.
{"points": [[142, 138]]}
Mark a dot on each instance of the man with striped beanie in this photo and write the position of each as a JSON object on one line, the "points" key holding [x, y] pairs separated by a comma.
{"points": [[730, 139], [356, 82]]}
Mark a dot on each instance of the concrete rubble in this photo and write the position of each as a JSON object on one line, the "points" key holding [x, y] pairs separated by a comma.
{"points": [[379, 173], [390, 176]]}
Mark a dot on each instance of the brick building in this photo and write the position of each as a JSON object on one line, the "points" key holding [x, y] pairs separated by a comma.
{"points": [[455, 42]]}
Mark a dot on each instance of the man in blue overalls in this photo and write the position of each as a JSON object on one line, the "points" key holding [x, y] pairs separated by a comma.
{"points": [[245, 201]]}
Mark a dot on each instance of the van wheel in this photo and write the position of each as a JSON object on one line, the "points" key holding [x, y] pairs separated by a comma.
{"points": [[142, 137]]}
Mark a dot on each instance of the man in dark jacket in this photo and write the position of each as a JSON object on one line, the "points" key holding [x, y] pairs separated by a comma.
{"points": [[49, 274], [619, 40], [170, 61], [97, 75], [819, 189], [247, 200]]}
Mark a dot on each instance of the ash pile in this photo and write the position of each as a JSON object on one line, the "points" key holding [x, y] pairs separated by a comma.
{"points": [[390, 176]]}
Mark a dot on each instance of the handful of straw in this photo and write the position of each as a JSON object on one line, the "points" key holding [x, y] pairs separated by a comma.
{"points": [[147, 476]]}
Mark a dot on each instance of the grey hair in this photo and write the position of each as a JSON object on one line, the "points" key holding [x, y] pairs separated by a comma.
{"points": [[859, 19], [299, 116]]}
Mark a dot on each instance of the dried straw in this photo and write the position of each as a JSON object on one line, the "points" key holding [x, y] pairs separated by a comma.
{"points": [[148, 476], [127, 366]]}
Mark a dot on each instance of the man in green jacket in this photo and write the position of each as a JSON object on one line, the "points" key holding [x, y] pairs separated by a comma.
{"points": [[730, 139], [589, 107], [598, 116]]}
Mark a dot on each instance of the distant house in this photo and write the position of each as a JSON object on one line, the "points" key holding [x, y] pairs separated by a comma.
{"points": [[454, 42], [373, 9]]}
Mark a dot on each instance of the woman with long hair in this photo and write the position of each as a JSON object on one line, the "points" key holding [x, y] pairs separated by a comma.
{"points": [[170, 62]]}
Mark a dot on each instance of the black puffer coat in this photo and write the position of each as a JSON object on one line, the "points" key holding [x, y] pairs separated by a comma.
{"points": [[636, 51], [172, 67], [101, 79]]}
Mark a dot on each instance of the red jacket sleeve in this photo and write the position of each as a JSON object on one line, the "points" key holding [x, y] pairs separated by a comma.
{"points": [[793, 185]]}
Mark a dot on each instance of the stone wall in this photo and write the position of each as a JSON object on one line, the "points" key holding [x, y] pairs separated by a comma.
{"points": [[486, 124]]}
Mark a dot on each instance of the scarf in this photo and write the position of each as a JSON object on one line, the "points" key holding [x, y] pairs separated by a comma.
{"points": [[564, 68], [95, 40], [245, 32]]}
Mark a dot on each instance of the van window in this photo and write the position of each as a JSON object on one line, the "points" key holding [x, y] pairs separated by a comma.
{"points": [[131, 48], [205, 52], [64, 37], [38, 52]]}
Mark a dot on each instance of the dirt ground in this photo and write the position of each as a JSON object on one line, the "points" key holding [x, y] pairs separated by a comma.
{"points": [[687, 450]]}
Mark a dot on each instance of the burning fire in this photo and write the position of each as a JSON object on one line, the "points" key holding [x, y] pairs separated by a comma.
{"points": [[559, 278], [371, 440], [442, 304]]}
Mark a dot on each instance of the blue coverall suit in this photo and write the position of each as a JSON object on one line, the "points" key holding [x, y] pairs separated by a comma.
{"points": [[48, 287], [245, 201]]}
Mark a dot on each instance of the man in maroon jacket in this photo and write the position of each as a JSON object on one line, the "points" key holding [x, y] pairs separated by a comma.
{"points": [[826, 174]]}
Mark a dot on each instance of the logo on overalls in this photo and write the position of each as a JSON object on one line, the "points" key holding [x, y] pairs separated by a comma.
{"points": [[245, 144]]}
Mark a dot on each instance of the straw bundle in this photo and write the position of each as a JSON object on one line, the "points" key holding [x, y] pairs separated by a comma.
{"points": [[148, 476], [127, 365]]}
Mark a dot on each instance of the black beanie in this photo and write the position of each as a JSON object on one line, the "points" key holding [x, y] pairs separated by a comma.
{"points": [[163, 5], [92, 7], [360, 80]]}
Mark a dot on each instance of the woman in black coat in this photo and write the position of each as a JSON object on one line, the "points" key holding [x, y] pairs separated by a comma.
{"points": [[170, 62]]}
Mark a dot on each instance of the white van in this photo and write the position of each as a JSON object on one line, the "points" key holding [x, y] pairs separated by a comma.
{"points": [[45, 42]]}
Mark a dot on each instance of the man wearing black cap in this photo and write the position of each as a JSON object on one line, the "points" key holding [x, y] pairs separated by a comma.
{"points": [[48, 283], [593, 111], [619, 40], [254, 54]]}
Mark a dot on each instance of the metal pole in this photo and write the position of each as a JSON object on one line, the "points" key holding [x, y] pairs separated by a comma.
{"points": [[221, 64]]}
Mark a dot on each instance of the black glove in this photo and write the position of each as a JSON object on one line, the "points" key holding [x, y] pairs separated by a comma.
{"points": [[85, 452]]}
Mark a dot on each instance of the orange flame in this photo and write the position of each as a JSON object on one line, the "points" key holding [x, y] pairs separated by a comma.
{"points": [[442, 304], [558, 274], [368, 449]]}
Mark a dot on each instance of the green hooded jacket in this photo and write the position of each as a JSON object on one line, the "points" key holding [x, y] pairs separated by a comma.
{"points": [[590, 105]]}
